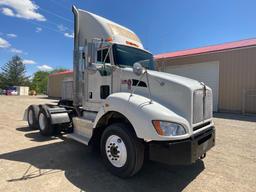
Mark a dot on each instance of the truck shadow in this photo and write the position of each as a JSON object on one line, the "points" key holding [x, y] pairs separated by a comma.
{"points": [[24, 129], [84, 169], [34, 135]]}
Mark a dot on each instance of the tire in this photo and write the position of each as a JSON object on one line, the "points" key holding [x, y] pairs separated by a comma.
{"points": [[44, 122], [32, 116], [122, 152]]}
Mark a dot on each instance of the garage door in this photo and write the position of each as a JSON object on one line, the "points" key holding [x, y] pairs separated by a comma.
{"points": [[204, 72]]}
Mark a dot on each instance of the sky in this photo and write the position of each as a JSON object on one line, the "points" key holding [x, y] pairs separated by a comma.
{"points": [[41, 31]]}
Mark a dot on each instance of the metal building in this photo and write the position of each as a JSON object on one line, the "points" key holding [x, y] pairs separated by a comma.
{"points": [[229, 69], [22, 90], [55, 83]]}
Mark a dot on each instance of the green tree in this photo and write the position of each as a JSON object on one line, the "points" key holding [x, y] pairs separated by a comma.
{"points": [[1, 82], [14, 73], [40, 81]]}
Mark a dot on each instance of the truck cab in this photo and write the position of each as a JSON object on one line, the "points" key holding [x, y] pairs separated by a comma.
{"points": [[124, 106], [110, 72]]}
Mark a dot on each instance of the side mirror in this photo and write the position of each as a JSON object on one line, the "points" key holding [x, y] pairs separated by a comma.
{"points": [[137, 69], [92, 68]]}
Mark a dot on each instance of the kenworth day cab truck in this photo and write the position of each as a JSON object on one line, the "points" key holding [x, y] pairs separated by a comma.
{"points": [[125, 107]]}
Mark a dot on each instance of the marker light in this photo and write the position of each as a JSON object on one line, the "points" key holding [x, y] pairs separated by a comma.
{"points": [[109, 39], [131, 43]]}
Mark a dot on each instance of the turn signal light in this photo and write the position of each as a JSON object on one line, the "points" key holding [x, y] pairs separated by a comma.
{"points": [[131, 43], [109, 39], [158, 127]]}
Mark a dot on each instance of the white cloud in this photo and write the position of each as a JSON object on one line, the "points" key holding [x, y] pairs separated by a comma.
{"points": [[45, 68], [4, 43], [7, 12], [70, 35], [38, 29], [62, 28], [11, 35], [22, 9], [17, 51], [28, 61]]}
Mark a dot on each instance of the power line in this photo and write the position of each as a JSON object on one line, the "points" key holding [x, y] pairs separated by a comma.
{"points": [[58, 25], [49, 28], [44, 26], [53, 23], [56, 15], [60, 5]]}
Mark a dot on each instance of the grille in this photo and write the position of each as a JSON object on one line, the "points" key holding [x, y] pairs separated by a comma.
{"points": [[201, 126], [202, 108]]}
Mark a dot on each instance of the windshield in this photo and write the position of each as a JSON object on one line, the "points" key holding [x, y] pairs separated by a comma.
{"points": [[127, 56]]}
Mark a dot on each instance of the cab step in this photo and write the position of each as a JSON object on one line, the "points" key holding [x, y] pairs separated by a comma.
{"points": [[79, 138]]}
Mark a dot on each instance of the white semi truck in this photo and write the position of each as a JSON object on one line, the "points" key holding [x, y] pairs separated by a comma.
{"points": [[125, 107]]}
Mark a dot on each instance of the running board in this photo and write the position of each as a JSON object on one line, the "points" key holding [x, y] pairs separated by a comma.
{"points": [[79, 138]]}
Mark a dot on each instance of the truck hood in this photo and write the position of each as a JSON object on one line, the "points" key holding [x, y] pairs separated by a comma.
{"points": [[184, 81], [172, 91]]}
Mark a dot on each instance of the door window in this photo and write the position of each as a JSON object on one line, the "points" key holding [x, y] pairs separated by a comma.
{"points": [[103, 58]]}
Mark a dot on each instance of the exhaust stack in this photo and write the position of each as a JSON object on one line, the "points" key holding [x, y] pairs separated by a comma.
{"points": [[76, 99]]}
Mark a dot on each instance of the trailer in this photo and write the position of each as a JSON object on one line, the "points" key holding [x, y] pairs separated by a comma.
{"points": [[122, 105]]}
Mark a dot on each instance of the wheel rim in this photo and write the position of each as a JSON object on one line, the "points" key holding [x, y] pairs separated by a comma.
{"points": [[42, 121], [30, 117], [116, 151]]}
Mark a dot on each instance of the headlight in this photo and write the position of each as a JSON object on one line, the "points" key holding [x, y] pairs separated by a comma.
{"points": [[166, 128]]}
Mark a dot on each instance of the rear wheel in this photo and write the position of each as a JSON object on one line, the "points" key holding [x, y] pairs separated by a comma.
{"points": [[44, 122], [32, 116], [122, 152]]}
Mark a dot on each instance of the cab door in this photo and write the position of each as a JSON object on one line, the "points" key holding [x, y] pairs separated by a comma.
{"points": [[99, 81]]}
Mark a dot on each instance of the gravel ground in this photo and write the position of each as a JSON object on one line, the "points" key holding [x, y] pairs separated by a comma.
{"points": [[30, 162]]}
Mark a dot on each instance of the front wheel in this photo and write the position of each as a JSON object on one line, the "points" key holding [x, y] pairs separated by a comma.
{"points": [[122, 152]]}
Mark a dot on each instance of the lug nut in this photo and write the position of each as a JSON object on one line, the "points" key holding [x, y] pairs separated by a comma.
{"points": [[119, 140]]}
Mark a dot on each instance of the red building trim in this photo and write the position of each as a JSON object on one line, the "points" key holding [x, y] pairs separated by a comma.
{"points": [[209, 49], [62, 73]]}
